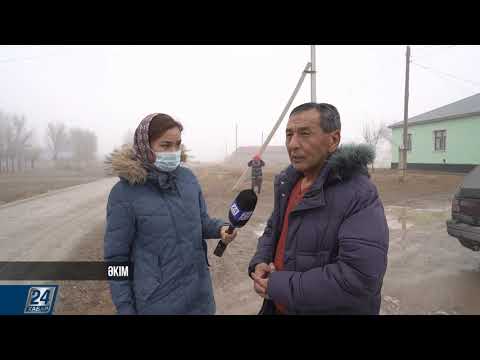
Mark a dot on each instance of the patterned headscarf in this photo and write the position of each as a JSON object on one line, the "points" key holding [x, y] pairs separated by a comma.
{"points": [[141, 143]]}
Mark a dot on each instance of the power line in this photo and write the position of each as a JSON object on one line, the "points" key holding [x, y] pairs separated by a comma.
{"points": [[434, 52], [446, 74], [426, 49]]}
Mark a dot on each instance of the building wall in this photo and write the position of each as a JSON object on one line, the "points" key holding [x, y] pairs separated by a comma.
{"points": [[462, 146]]}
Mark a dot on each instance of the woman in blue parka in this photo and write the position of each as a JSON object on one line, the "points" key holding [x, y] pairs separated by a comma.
{"points": [[157, 218]]}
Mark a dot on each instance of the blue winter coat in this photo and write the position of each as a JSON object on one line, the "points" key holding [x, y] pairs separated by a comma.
{"points": [[159, 223], [337, 242]]}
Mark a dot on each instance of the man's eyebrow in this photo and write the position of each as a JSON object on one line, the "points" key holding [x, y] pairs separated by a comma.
{"points": [[299, 129]]}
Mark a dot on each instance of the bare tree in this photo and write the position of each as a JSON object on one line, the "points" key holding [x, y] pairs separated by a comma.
{"points": [[128, 137], [14, 140], [386, 133], [84, 144], [372, 135], [32, 154], [22, 136], [186, 154], [9, 147], [3, 139], [57, 138]]}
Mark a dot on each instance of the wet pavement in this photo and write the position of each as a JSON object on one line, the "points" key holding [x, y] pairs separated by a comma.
{"points": [[429, 272]]}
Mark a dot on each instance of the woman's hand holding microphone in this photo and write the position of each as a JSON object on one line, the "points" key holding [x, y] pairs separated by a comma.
{"points": [[226, 237]]}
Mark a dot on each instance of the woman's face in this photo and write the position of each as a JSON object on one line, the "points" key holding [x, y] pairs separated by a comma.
{"points": [[170, 141]]}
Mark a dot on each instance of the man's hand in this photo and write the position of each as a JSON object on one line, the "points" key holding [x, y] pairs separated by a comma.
{"points": [[260, 278], [226, 237]]}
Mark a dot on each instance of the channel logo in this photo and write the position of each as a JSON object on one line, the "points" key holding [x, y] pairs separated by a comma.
{"points": [[40, 300]]}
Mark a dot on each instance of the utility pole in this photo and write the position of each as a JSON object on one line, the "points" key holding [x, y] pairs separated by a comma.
{"points": [[313, 74], [305, 71], [405, 116]]}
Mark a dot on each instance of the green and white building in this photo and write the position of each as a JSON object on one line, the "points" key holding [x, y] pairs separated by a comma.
{"points": [[445, 139]]}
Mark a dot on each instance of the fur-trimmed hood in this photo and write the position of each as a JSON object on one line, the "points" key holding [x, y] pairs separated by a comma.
{"points": [[345, 162], [350, 159], [124, 164]]}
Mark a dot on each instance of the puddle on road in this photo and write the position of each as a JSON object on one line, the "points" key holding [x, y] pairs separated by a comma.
{"points": [[398, 224], [392, 306], [404, 217], [441, 312]]}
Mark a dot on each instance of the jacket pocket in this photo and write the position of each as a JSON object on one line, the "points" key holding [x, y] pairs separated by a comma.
{"points": [[145, 287], [147, 274]]}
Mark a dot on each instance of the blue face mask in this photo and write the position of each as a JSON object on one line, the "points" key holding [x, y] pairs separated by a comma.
{"points": [[168, 161]]}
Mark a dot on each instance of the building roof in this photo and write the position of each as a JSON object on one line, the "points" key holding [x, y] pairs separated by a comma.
{"points": [[273, 154], [254, 149], [469, 106]]}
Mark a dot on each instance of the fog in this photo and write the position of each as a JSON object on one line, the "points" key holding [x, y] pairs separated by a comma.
{"points": [[109, 89]]}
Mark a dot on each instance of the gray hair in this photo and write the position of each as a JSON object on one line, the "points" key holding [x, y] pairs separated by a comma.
{"points": [[329, 115]]}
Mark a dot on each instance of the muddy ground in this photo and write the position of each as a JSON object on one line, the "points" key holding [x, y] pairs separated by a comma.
{"points": [[429, 272]]}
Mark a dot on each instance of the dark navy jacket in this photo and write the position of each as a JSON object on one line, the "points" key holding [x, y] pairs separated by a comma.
{"points": [[337, 242], [160, 222]]}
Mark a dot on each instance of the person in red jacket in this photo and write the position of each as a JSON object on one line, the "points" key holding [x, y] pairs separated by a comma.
{"points": [[256, 164]]}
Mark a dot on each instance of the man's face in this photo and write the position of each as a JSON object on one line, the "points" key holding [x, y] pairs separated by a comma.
{"points": [[307, 144]]}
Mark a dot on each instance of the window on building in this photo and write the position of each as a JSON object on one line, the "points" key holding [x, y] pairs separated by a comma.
{"points": [[409, 142], [440, 140]]}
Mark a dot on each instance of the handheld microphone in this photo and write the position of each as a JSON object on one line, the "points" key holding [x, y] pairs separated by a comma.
{"points": [[240, 212]]}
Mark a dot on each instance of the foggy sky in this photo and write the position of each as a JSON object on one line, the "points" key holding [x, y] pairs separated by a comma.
{"points": [[109, 89]]}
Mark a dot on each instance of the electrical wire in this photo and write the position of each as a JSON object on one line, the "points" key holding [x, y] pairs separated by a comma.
{"points": [[442, 73]]}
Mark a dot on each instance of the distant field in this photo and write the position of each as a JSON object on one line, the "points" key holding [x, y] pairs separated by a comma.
{"points": [[31, 182]]}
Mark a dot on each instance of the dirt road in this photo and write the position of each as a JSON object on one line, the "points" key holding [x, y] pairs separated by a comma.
{"points": [[50, 226], [428, 272]]}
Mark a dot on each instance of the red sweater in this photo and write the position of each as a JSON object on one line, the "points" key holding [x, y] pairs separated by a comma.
{"points": [[295, 197]]}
